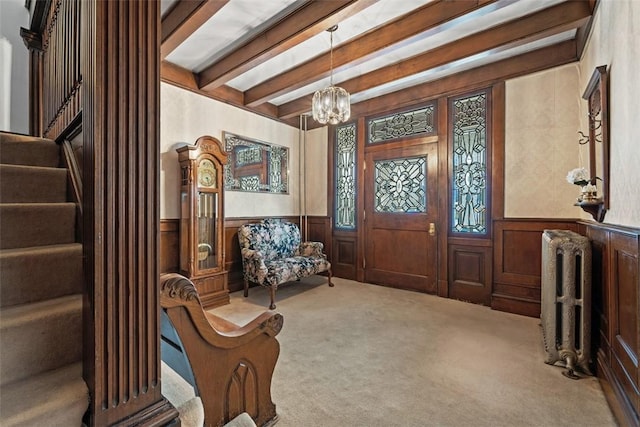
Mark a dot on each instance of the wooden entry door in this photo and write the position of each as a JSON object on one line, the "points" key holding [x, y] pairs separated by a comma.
{"points": [[400, 217]]}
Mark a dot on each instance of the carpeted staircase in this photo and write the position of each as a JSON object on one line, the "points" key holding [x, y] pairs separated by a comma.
{"points": [[40, 289]]}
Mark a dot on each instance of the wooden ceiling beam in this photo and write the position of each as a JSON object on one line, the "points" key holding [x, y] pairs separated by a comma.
{"points": [[548, 22], [483, 76], [302, 24], [526, 63], [185, 79], [183, 19], [424, 21]]}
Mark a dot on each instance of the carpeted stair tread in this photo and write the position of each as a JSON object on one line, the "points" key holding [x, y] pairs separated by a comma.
{"points": [[54, 398], [37, 273], [28, 150], [35, 224], [38, 337], [32, 184]]}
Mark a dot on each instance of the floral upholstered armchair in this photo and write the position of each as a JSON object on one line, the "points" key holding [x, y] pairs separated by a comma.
{"points": [[272, 254]]}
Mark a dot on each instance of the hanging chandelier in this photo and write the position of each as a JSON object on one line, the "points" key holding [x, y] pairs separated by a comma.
{"points": [[331, 105]]}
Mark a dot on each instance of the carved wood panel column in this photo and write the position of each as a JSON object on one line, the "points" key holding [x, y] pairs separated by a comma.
{"points": [[120, 71]]}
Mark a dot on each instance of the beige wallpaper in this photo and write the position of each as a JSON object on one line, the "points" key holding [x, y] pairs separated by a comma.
{"points": [[615, 42], [185, 116], [316, 171], [541, 144]]}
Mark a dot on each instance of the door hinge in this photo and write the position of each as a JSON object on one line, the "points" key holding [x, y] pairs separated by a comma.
{"points": [[364, 165], [364, 263], [364, 215]]}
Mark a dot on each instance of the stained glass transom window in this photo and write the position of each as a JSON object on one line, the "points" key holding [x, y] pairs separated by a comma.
{"points": [[469, 202], [345, 195], [400, 125], [400, 185]]}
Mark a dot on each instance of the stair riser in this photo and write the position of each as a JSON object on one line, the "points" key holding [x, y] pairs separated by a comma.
{"points": [[37, 275], [21, 150], [67, 414], [55, 398], [21, 184], [22, 344], [36, 225]]}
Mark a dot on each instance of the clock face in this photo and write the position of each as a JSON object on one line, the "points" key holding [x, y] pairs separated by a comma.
{"points": [[206, 174]]}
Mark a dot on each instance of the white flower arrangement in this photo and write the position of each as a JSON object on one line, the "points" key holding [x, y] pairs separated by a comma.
{"points": [[578, 176]]}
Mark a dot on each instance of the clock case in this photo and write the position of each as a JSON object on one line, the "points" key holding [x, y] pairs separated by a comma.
{"points": [[202, 219]]}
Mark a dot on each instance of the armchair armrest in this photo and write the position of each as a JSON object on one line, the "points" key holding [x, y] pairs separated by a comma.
{"points": [[313, 249], [254, 266]]}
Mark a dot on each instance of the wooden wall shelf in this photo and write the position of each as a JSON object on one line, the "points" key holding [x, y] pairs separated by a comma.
{"points": [[595, 209]]}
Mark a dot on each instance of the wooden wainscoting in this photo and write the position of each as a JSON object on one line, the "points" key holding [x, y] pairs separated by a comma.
{"points": [[169, 245], [319, 230], [469, 268], [517, 263], [344, 253], [616, 327]]}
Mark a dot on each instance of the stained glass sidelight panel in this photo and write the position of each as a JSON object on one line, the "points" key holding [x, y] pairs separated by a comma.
{"points": [[403, 124], [469, 189], [400, 185], [345, 195]]}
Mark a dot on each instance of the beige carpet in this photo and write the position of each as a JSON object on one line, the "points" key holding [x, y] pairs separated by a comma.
{"points": [[366, 355]]}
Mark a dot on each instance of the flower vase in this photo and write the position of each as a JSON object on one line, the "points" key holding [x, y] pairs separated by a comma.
{"points": [[588, 194]]}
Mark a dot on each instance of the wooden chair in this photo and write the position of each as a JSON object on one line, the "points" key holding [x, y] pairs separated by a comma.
{"points": [[231, 366]]}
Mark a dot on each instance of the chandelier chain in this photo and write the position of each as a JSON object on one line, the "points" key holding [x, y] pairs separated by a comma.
{"points": [[331, 59]]}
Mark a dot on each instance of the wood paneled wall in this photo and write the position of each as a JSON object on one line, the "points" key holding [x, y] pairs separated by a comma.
{"points": [[55, 74], [169, 246], [344, 260], [517, 263], [616, 316]]}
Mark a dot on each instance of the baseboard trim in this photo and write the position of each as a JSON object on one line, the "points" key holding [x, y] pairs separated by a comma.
{"points": [[515, 305], [161, 413]]}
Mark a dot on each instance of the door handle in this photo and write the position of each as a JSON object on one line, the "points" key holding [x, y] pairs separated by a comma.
{"points": [[432, 229]]}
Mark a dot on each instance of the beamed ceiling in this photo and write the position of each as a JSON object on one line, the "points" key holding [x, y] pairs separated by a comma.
{"points": [[270, 56]]}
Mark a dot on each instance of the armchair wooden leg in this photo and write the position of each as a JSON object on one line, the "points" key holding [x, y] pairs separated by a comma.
{"points": [[246, 288], [330, 283], [273, 297]]}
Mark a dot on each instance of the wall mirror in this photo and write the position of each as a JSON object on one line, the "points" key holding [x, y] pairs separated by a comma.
{"points": [[596, 95], [255, 166]]}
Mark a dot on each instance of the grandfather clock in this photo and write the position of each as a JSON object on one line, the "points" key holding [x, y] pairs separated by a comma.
{"points": [[202, 219]]}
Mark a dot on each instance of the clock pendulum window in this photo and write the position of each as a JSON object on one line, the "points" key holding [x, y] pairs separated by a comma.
{"points": [[202, 219]]}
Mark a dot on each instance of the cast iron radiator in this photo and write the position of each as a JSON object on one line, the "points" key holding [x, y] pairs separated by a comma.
{"points": [[566, 300]]}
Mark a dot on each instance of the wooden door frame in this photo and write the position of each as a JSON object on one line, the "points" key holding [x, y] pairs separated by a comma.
{"points": [[497, 93]]}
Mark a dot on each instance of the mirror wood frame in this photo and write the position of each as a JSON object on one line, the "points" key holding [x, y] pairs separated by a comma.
{"points": [[597, 97]]}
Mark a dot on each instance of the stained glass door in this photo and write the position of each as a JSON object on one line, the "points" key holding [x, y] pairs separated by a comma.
{"points": [[400, 206]]}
